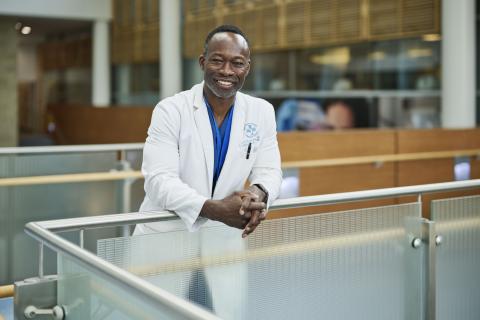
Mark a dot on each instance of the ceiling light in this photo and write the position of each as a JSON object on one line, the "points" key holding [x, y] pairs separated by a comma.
{"points": [[338, 56], [415, 53], [26, 30], [376, 55], [431, 37]]}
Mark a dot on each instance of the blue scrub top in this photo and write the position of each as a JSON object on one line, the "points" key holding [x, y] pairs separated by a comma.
{"points": [[221, 140]]}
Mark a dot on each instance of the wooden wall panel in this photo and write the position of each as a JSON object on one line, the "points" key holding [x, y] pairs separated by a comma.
{"points": [[431, 171], [295, 23], [439, 170], [89, 125], [295, 146], [292, 24], [86, 125]]}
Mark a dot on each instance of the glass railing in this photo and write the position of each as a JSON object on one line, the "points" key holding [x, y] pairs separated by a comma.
{"points": [[375, 263], [458, 258], [55, 182]]}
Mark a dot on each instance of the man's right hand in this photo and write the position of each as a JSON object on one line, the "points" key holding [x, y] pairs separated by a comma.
{"points": [[227, 210]]}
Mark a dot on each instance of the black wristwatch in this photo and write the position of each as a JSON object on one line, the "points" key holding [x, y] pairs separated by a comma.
{"points": [[259, 186]]}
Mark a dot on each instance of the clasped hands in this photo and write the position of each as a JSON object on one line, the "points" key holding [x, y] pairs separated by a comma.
{"points": [[243, 209]]}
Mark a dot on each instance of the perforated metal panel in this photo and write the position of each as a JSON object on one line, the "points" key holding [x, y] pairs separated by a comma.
{"points": [[294, 268], [458, 257]]}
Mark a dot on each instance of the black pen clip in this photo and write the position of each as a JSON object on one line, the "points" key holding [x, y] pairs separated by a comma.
{"points": [[248, 150]]}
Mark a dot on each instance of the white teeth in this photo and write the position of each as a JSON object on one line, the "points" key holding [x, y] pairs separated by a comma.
{"points": [[224, 83]]}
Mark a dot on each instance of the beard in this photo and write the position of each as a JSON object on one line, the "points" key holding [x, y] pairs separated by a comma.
{"points": [[223, 93]]}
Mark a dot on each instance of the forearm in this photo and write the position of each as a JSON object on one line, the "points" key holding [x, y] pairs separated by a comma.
{"points": [[211, 209]]}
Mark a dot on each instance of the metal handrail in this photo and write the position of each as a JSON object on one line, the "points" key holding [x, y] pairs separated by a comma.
{"points": [[136, 174], [73, 148], [7, 291], [113, 220], [43, 232], [143, 289]]}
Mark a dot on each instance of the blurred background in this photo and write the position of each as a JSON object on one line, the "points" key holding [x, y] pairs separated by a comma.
{"points": [[323, 64], [368, 94]]}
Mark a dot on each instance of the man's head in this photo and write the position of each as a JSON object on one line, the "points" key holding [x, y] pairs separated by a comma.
{"points": [[225, 61], [339, 115]]}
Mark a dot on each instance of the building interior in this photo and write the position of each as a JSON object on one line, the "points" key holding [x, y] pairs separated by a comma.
{"points": [[377, 115]]}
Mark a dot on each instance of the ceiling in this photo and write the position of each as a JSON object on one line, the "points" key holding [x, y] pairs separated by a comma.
{"points": [[54, 27]]}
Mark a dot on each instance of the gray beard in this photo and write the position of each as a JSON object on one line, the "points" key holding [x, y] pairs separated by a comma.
{"points": [[222, 95]]}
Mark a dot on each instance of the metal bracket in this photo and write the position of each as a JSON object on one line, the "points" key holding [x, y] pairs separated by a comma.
{"points": [[424, 241], [56, 312]]}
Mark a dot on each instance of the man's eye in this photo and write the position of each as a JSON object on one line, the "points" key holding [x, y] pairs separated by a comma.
{"points": [[239, 64], [217, 61]]}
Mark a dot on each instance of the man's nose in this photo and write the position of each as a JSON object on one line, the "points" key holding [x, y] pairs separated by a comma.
{"points": [[227, 69]]}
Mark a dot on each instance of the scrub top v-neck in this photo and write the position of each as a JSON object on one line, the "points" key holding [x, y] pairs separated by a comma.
{"points": [[221, 140]]}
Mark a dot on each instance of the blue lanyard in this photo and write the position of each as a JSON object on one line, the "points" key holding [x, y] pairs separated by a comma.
{"points": [[221, 140]]}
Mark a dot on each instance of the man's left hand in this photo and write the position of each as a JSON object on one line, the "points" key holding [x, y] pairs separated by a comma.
{"points": [[256, 216]]}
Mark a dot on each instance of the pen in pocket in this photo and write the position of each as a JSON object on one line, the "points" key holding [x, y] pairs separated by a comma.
{"points": [[248, 150]]}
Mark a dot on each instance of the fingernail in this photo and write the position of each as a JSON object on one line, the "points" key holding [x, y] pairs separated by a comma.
{"points": [[241, 212]]}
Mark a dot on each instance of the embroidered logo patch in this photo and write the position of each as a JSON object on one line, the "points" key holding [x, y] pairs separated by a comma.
{"points": [[250, 130]]}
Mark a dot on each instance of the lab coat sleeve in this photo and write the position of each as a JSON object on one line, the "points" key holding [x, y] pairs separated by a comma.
{"points": [[160, 167], [267, 167]]}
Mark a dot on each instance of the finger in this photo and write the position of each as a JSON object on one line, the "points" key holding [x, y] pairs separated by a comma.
{"points": [[263, 214], [255, 205], [254, 222], [247, 193], [247, 215], [245, 204]]}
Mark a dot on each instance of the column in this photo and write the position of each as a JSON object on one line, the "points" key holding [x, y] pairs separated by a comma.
{"points": [[170, 48], [101, 64], [8, 84], [458, 64]]}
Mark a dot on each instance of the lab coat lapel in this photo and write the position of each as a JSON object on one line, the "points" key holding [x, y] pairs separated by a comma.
{"points": [[202, 122], [236, 134]]}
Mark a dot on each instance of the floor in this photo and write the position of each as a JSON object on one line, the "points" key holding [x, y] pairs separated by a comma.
{"points": [[6, 309]]}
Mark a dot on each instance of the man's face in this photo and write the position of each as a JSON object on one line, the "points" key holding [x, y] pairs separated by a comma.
{"points": [[225, 64]]}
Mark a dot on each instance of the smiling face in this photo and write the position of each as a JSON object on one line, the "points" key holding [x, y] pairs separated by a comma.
{"points": [[225, 64]]}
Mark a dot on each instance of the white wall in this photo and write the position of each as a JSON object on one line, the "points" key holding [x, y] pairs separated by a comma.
{"points": [[27, 59], [66, 9]]}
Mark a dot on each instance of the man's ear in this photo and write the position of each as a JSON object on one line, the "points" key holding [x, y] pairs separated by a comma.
{"points": [[201, 61], [248, 69]]}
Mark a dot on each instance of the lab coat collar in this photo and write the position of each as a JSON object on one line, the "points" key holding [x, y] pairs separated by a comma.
{"points": [[202, 122], [236, 135], [203, 125]]}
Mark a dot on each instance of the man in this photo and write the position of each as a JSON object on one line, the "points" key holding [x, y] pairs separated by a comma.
{"points": [[203, 145]]}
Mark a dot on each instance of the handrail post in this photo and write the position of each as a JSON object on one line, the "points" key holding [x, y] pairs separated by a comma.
{"points": [[431, 270], [126, 191], [40, 261], [80, 236]]}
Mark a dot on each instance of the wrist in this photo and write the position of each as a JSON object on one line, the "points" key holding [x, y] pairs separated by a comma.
{"points": [[210, 209], [262, 192]]}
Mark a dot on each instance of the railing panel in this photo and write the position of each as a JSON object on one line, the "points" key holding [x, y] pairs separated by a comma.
{"points": [[458, 257], [345, 265], [86, 294], [22, 204]]}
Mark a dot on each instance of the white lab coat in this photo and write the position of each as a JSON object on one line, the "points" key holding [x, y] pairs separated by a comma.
{"points": [[178, 161], [178, 156]]}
